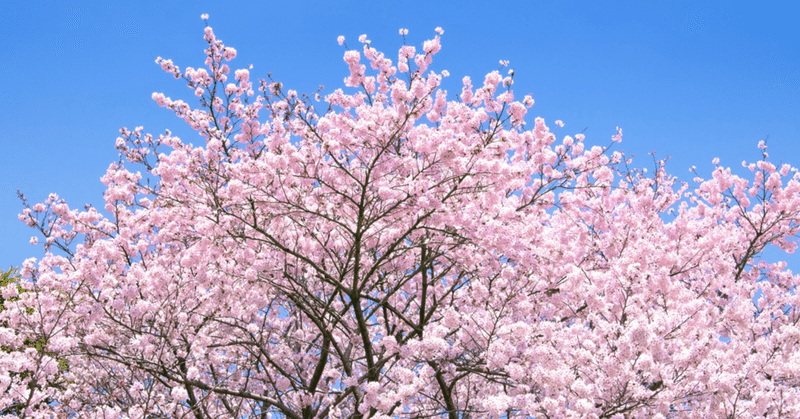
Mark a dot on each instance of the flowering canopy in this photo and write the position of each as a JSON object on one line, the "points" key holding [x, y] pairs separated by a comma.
{"points": [[403, 253]]}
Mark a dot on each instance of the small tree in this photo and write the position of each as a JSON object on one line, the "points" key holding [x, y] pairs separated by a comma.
{"points": [[10, 279], [404, 253], [10, 276]]}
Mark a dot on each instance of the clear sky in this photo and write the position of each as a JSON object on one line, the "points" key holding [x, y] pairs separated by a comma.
{"points": [[692, 80]]}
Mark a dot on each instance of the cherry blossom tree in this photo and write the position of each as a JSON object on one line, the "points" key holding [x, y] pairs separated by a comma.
{"points": [[395, 251], [34, 345]]}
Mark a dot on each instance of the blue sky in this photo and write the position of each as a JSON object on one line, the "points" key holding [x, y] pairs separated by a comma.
{"points": [[689, 80]]}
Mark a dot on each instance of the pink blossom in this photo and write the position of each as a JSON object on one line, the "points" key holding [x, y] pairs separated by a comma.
{"points": [[431, 46], [618, 138], [159, 98], [517, 111], [352, 57], [229, 53], [402, 66], [242, 75], [528, 101]]}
